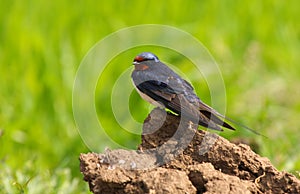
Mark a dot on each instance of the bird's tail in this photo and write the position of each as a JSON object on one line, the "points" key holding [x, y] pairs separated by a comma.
{"points": [[213, 115], [241, 125]]}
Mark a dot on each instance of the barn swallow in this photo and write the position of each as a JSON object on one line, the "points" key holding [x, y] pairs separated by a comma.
{"points": [[162, 87]]}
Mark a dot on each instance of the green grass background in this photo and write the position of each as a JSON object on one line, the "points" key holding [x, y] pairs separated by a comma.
{"points": [[255, 43]]}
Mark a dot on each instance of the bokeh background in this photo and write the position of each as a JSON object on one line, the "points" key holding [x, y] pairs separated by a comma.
{"points": [[255, 43]]}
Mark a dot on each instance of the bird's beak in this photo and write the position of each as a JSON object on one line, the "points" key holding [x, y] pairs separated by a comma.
{"points": [[135, 62]]}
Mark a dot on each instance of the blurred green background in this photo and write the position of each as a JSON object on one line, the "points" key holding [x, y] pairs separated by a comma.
{"points": [[255, 43]]}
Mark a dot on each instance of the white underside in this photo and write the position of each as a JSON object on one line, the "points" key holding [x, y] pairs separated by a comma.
{"points": [[148, 99]]}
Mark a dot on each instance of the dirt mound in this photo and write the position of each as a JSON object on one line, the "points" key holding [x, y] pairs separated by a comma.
{"points": [[175, 157]]}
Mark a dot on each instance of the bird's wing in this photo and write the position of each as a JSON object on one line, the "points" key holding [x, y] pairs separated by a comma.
{"points": [[175, 99], [206, 112]]}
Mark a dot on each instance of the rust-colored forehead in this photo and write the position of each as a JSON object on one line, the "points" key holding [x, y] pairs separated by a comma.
{"points": [[139, 58], [146, 56]]}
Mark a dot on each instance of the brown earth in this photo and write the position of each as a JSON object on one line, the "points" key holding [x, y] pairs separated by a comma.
{"points": [[175, 157]]}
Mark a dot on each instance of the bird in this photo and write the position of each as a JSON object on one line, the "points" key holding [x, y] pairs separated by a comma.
{"points": [[161, 86]]}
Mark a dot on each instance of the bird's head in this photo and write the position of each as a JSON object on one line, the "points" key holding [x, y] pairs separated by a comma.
{"points": [[145, 56]]}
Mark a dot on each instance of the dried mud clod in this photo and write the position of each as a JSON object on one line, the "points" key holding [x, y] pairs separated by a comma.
{"points": [[175, 157]]}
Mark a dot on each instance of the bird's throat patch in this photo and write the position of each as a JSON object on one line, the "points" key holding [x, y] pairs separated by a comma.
{"points": [[141, 67]]}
